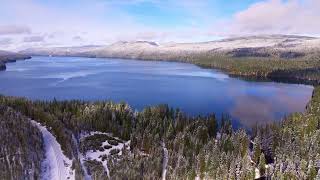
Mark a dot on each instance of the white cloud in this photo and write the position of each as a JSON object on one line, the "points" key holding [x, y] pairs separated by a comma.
{"points": [[91, 20], [77, 38], [96, 21], [14, 29], [103, 22], [278, 17], [5, 41], [33, 39]]}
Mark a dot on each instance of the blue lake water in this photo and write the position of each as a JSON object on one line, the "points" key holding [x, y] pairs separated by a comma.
{"points": [[142, 83]]}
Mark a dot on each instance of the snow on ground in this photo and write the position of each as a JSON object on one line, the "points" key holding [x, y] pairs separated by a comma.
{"points": [[87, 134], [81, 158], [56, 165], [136, 48], [99, 155], [165, 160], [268, 41], [257, 173]]}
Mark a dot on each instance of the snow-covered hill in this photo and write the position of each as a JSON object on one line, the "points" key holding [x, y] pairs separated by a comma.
{"points": [[60, 51], [267, 45]]}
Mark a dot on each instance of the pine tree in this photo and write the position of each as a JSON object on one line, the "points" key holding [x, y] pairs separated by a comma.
{"points": [[256, 149], [262, 165], [212, 126], [202, 165]]}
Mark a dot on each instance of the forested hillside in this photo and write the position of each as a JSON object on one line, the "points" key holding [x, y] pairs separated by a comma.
{"points": [[282, 58], [161, 142], [21, 146], [301, 70], [6, 57]]}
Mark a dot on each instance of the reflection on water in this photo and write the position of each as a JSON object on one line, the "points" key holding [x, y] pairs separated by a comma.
{"points": [[141, 83]]}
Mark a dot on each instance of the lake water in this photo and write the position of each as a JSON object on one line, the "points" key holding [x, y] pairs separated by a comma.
{"points": [[141, 83]]}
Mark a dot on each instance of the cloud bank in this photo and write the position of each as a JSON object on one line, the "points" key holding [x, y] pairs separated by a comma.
{"points": [[76, 23], [33, 39], [14, 29], [279, 17]]}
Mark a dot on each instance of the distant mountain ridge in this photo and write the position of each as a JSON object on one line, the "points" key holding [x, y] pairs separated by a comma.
{"points": [[283, 46]]}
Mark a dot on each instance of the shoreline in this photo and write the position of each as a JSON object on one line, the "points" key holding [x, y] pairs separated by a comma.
{"points": [[5, 60], [288, 76]]}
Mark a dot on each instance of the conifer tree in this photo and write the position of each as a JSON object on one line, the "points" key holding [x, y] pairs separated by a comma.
{"points": [[256, 149], [262, 165]]}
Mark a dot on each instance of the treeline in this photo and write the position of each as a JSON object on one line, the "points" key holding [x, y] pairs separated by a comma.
{"points": [[298, 70], [286, 150], [197, 146], [67, 118], [6, 57], [291, 67], [2, 66], [21, 149]]}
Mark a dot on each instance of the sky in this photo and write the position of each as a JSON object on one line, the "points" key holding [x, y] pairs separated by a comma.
{"points": [[41, 23]]}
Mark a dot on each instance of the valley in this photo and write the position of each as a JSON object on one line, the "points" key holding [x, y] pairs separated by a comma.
{"points": [[133, 146], [159, 90], [271, 129]]}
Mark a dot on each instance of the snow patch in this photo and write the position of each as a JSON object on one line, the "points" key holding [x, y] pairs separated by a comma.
{"points": [[56, 165], [257, 173], [165, 160], [98, 155], [87, 134], [81, 158]]}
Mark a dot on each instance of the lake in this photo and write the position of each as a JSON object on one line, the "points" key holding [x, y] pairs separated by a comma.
{"points": [[141, 83]]}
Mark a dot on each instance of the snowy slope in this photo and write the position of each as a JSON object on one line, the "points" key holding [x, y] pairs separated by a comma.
{"points": [[270, 44], [56, 165], [275, 42], [98, 155]]}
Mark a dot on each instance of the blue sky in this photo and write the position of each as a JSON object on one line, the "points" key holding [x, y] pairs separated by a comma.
{"points": [[25, 23], [162, 13], [168, 14]]}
